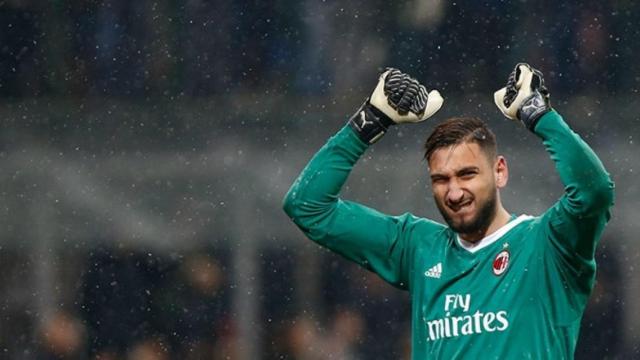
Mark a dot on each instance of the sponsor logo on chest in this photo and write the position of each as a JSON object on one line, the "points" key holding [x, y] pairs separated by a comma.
{"points": [[466, 323]]}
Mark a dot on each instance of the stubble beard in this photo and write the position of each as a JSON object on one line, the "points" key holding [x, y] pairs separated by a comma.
{"points": [[479, 224]]}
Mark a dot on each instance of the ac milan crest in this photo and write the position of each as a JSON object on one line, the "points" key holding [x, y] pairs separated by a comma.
{"points": [[501, 262]]}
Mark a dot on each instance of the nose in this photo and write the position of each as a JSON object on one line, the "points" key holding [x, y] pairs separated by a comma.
{"points": [[455, 194]]}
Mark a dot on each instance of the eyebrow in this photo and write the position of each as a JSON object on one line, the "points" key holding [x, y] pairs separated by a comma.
{"points": [[457, 172]]}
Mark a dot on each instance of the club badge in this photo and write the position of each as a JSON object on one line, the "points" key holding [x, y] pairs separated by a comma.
{"points": [[501, 262]]}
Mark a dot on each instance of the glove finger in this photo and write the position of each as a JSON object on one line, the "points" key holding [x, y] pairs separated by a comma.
{"points": [[519, 83], [499, 98], [520, 69], [538, 80], [434, 103], [525, 80], [420, 103], [409, 96], [538, 84], [394, 87], [525, 74], [511, 90]]}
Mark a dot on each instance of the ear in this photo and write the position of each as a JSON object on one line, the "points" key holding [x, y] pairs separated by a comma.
{"points": [[501, 171]]}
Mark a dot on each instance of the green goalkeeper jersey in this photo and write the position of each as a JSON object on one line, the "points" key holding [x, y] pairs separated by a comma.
{"points": [[519, 294]]}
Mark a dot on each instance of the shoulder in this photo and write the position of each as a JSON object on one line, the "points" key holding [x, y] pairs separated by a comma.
{"points": [[527, 225], [525, 221], [422, 232], [522, 229], [420, 224]]}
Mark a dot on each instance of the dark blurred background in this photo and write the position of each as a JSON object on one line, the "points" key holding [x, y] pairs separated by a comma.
{"points": [[146, 146]]}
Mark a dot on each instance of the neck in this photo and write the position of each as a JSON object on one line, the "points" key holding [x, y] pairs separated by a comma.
{"points": [[501, 219]]}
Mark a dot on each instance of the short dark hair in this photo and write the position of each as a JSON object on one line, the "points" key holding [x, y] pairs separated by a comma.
{"points": [[459, 130]]}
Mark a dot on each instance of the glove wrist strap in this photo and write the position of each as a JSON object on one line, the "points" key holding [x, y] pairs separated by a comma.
{"points": [[532, 109], [370, 123]]}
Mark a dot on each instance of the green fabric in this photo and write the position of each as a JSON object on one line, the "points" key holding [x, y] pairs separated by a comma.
{"points": [[462, 309]]}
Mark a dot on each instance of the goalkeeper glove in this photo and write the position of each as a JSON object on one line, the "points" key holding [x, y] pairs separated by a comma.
{"points": [[397, 99], [525, 97]]}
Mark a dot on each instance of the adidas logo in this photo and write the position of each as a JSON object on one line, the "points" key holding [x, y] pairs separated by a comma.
{"points": [[434, 272]]}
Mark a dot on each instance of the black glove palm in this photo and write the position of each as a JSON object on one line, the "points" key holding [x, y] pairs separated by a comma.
{"points": [[525, 97], [397, 98]]}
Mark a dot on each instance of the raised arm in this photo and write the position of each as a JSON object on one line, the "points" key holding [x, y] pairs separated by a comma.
{"points": [[577, 220], [366, 236]]}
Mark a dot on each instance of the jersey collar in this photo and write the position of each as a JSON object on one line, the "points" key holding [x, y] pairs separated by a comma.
{"points": [[490, 239]]}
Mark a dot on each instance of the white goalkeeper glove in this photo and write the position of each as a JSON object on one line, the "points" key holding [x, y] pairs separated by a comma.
{"points": [[525, 97], [397, 98]]}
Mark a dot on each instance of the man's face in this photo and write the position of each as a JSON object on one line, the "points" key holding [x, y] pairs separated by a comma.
{"points": [[465, 186]]}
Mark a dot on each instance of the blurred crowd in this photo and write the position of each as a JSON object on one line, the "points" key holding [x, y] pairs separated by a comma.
{"points": [[201, 48], [131, 305], [134, 305]]}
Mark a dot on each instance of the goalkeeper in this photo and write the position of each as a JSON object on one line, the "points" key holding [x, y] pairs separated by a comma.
{"points": [[489, 284]]}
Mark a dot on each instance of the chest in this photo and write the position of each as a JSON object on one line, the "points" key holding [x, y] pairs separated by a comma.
{"points": [[453, 282]]}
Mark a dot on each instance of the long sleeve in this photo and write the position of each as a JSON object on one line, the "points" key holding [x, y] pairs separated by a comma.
{"points": [[574, 224], [364, 235]]}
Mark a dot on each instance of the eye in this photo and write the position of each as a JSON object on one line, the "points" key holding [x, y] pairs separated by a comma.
{"points": [[438, 179], [468, 175]]}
